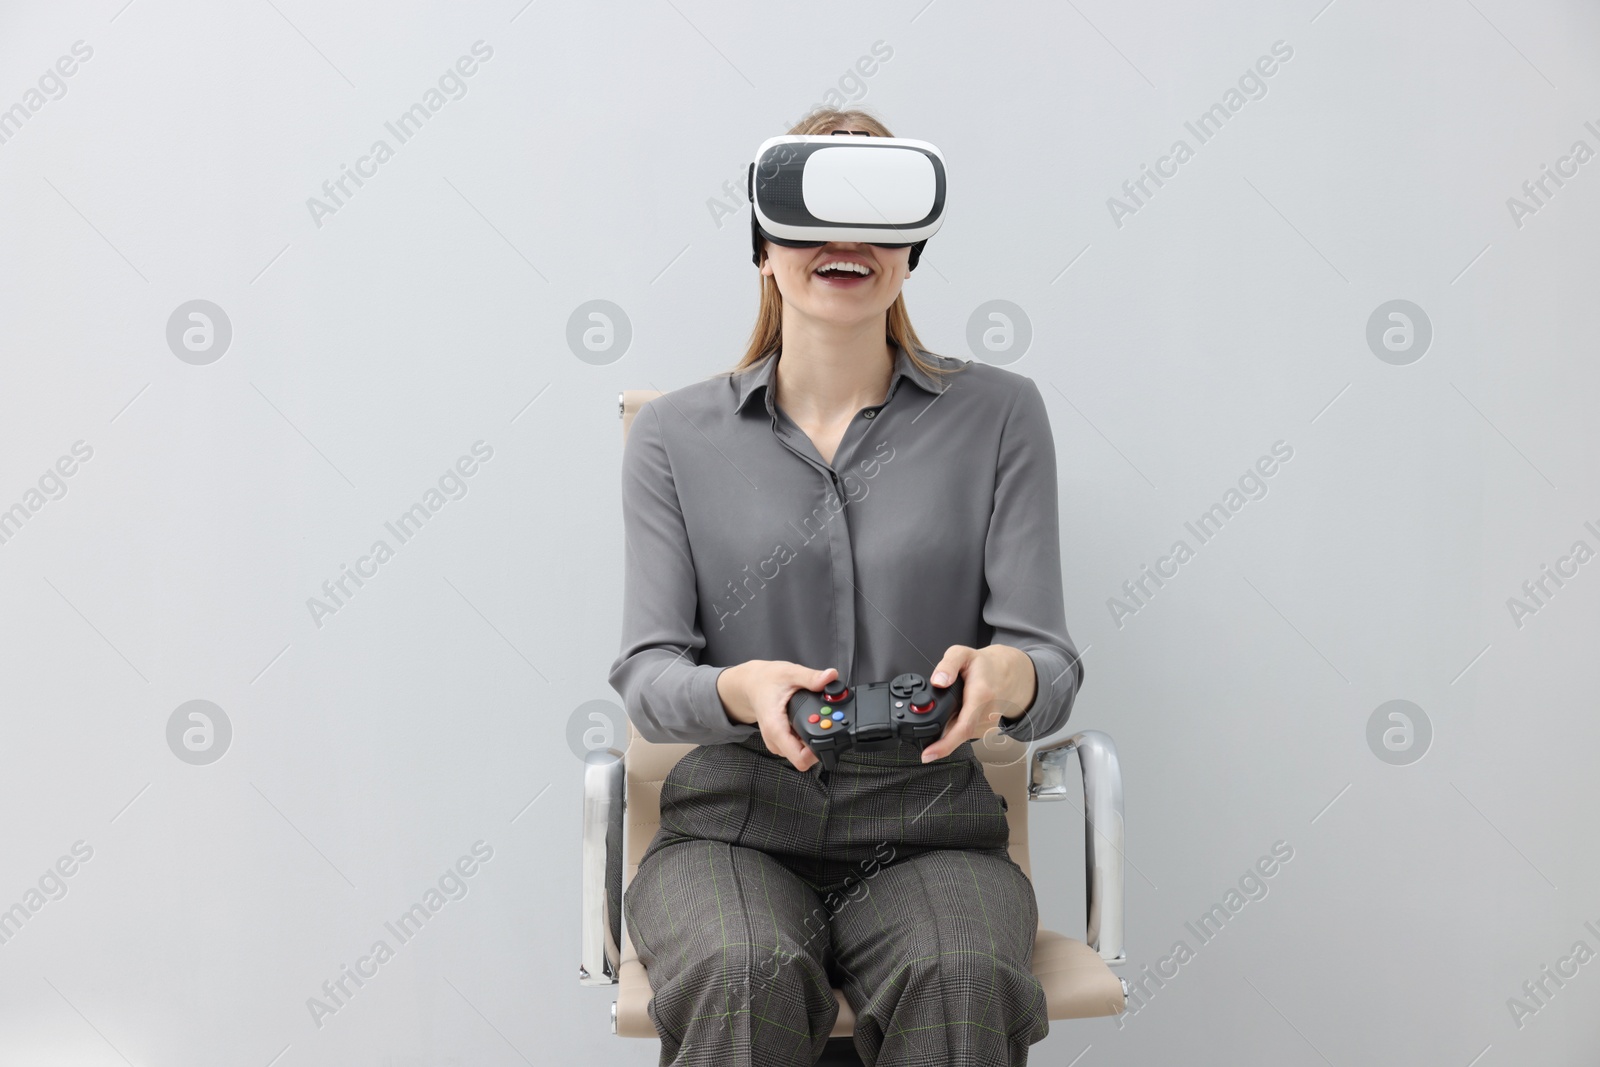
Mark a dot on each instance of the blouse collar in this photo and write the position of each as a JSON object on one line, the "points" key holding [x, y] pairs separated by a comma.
{"points": [[758, 376]]}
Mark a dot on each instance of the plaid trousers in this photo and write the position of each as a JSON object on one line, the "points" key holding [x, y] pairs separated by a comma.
{"points": [[763, 889]]}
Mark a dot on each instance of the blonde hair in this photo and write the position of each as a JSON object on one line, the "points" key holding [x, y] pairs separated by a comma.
{"points": [[767, 335]]}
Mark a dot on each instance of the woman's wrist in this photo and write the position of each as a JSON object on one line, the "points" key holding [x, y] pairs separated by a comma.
{"points": [[1027, 683], [729, 689]]}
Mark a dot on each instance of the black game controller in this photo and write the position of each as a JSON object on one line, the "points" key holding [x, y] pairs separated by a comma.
{"points": [[872, 716]]}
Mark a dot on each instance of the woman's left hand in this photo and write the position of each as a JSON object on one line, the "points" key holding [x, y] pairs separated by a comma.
{"points": [[996, 681]]}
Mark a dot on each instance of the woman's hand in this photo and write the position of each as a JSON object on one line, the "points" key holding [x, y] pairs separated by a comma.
{"points": [[997, 681], [758, 691]]}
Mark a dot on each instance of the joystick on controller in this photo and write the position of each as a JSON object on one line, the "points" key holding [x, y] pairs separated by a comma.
{"points": [[872, 716]]}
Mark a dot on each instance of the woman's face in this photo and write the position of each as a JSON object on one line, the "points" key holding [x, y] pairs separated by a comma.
{"points": [[837, 294]]}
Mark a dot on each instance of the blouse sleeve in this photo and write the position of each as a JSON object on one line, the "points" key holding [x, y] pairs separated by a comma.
{"points": [[668, 693], [1022, 565]]}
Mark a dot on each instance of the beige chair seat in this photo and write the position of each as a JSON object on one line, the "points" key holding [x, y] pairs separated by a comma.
{"points": [[1077, 985]]}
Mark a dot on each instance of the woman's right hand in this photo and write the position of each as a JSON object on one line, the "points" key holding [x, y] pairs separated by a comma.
{"points": [[758, 691]]}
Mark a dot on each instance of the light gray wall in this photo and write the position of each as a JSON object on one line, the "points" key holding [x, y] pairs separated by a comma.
{"points": [[373, 346]]}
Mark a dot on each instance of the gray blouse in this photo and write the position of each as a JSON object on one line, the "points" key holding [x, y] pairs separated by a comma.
{"points": [[935, 525]]}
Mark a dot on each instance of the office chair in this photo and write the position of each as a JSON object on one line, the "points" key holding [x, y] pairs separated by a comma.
{"points": [[622, 810]]}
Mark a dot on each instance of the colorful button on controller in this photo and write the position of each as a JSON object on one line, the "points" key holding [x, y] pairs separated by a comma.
{"points": [[838, 716], [814, 718], [825, 723]]}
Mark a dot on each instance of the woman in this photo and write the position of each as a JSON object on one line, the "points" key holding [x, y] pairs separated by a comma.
{"points": [[843, 504]]}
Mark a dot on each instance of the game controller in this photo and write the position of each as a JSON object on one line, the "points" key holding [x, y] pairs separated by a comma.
{"points": [[872, 716]]}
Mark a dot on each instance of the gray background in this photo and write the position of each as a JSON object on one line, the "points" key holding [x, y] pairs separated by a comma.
{"points": [[431, 311]]}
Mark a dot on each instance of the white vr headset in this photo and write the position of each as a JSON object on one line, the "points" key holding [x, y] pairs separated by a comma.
{"points": [[808, 190]]}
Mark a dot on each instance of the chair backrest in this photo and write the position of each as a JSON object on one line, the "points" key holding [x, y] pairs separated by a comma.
{"points": [[647, 763]]}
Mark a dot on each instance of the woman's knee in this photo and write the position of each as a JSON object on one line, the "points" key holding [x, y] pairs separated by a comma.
{"points": [[974, 979], [787, 970], [771, 1002]]}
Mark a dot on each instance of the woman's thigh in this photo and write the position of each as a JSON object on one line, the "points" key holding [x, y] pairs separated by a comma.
{"points": [[936, 959], [735, 946]]}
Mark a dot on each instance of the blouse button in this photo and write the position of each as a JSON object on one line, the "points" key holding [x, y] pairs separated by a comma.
{"points": [[870, 413]]}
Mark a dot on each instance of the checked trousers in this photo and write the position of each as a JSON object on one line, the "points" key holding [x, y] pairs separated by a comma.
{"points": [[763, 888]]}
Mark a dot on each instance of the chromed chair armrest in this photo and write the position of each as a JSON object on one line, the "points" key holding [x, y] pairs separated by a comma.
{"points": [[1102, 832], [602, 867]]}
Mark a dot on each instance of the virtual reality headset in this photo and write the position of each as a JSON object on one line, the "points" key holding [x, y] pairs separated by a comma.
{"points": [[808, 190]]}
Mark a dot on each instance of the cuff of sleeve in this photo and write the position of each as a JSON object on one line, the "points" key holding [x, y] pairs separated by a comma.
{"points": [[719, 729]]}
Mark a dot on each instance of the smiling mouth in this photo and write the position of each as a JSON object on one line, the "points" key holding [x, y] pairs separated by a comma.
{"points": [[841, 272]]}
